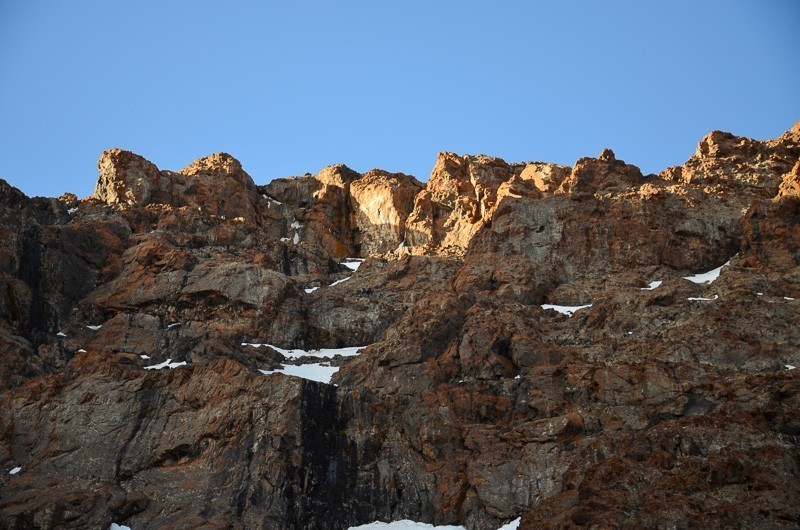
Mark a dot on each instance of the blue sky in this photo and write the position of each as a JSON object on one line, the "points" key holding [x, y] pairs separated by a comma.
{"points": [[289, 87]]}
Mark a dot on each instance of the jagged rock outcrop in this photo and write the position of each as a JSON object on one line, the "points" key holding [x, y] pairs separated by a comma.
{"points": [[346, 213], [664, 399], [458, 200], [381, 202], [749, 165], [602, 174], [319, 211], [216, 183]]}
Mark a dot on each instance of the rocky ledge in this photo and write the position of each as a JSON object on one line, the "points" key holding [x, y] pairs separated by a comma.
{"points": [[585, 346]]}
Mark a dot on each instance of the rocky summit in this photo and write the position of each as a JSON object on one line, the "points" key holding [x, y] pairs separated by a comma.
{"points": [[584, 346]]}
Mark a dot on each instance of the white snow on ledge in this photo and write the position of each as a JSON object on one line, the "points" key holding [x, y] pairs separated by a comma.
{"points": [[337, 282], [314, 372], [697, 299], [95, 328], [652, 285], [565, 309], [411, 525], [707, 277], [166, 364], [15, 471], [318, 371], [326, 353], [403, 525], [115, 526], [353, 263]]}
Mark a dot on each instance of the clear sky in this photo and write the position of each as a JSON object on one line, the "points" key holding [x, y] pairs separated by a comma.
{"points": [[289, 87]]}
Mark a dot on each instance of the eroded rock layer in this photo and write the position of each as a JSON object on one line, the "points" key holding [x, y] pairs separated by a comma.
{"points": [[541, 342]]}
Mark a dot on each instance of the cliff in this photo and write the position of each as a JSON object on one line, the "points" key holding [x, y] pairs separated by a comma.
{"points": [[572, 346]]}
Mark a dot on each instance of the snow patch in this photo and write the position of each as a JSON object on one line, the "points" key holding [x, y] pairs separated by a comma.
{"points": [[693, 299], [652, 285], [405, 524], [284, 239], [789, 366], [311, 289], [325, 353], [143, 356], [173, 325], [760, 294], [61, 334], [565, 309], [15, 471], [352, 263], [707, 277], [314, 372], [95, 328], [788, 298], [115, 526], [296, 238], [166, 364], [337, 282], [321, 372], [72, 210], [81, 351], [295, 224]]}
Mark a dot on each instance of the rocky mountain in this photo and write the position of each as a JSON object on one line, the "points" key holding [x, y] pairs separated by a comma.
{"points": [[585, 346]]}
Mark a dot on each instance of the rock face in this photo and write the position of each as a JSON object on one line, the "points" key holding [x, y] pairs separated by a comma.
{"points": [[541, 342], [459, 199], [217, 183], [381, 202]]}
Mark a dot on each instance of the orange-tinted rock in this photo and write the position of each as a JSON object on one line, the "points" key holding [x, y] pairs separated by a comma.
{"points": [[127, 178], [790, 184], [216, 183], [752, 166], [460, 197], [602, 174], [380, 203]]}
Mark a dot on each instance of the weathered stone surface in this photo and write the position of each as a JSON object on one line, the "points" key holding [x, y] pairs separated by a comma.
{"points": [[459, 198], [602, 174], [381, 202], [216, 183], [358, 311], [657, 405], [128, 178], [547, 178], [346, 213], [740, 163], [259, 450]]}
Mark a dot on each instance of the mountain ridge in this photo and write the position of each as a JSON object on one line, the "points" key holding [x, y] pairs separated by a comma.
{"points": [[473, 402]]}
